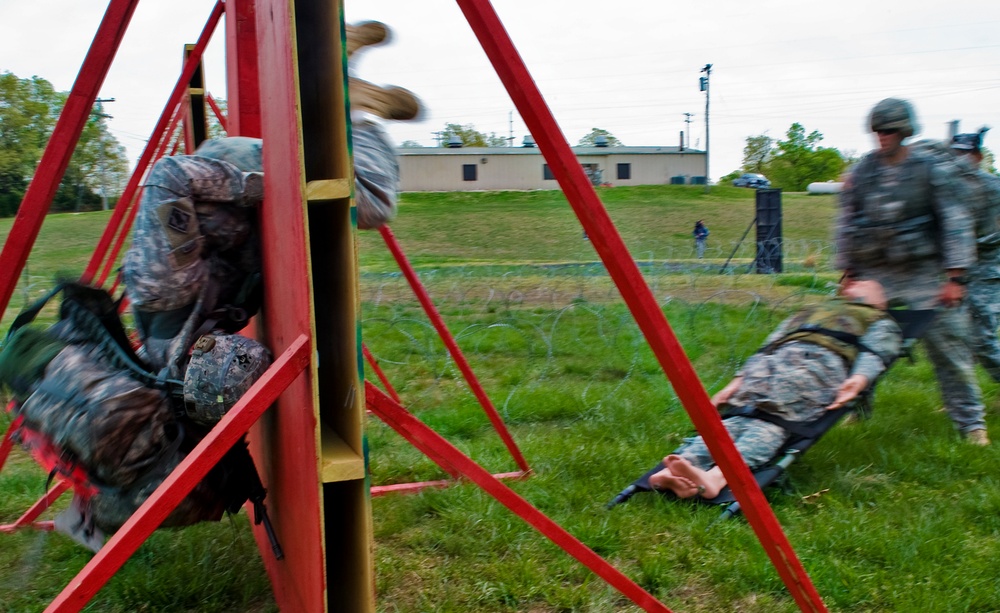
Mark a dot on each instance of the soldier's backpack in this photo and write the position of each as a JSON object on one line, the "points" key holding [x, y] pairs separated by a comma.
{"points": [[194, 263], [91, 410]]}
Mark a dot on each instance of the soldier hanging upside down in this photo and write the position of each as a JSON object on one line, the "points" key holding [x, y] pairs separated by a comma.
{"points": [[819, 359], [194, 264]]}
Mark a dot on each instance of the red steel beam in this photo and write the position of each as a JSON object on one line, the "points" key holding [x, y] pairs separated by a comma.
{"points": [[59, 150], [386, 408], [449, 342], [378, 372], [38, 508], [189, 472], [215, 109], [180, 89], [611, 248], [406, 488], [8, 440], [243, 78]]}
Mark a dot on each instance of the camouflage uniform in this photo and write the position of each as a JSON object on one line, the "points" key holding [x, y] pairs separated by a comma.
{"points": [[904, 225], [983, 292], [376, 174], [796, 381], [194, 245]]}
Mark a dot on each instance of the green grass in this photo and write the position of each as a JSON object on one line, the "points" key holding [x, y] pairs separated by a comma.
{"points": [[908, 518]]}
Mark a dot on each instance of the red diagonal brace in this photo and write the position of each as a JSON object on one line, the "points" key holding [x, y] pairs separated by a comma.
{"points": [[449, 342], [38, 508], [385, 407], [58, 152], [179, 484], [640, 300], [378, 372]]}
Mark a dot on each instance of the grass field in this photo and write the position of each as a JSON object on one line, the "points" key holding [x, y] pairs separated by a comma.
{"points": [[894, 514]]}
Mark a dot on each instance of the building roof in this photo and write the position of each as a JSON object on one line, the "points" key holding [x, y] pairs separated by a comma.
{"points": [[535, 151]]}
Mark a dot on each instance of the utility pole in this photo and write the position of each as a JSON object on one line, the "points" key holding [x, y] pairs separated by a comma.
{"points": [[510, 138], [687, 131], [704, 87], [101, 116]]}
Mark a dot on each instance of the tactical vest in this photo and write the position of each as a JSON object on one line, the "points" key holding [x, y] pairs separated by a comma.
{"points": [[897, 231], [837, 326]]}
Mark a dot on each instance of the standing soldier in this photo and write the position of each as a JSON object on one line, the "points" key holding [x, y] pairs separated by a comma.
{"points": [[904, 222], [983, 293]]}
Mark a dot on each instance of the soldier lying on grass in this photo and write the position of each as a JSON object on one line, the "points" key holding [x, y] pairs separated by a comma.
{"points": [[816, 360]]}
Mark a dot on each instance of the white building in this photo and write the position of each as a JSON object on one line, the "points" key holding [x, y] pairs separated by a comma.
{"points": [[424, 169]]}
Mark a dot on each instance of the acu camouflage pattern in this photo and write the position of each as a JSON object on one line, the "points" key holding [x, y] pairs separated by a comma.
{"points": [[795, 382], [847, 317], [222, 368], [113, 425], [376, 175], [922, 185], [983, 291], [195, 241]]}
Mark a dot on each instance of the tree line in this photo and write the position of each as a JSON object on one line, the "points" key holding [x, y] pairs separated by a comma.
{"points": [[29, 109]]}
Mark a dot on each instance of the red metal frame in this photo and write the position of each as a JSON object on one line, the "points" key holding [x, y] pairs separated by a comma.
{"points": [[451, 459], [378, 372], [219, 115], [292, 290], [449, 341], [615, 255]]}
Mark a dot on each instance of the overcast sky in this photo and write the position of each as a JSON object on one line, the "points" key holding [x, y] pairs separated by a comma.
{"points": [[629, 67]]}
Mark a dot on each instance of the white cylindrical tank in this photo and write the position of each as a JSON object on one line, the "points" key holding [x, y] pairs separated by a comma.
{"points": [[830, 187]]}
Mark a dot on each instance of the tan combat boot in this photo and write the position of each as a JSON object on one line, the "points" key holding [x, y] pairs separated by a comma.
{"points": [[390, 102], [366, 33], [978, 437]]}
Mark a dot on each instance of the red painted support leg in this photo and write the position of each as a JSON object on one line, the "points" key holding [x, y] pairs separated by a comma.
{"points": [[378, 372], [640, 300], [449, 341], [8, 442], [384, 406], [52, 166], [219, 115], [38, 508], [193, 469]]}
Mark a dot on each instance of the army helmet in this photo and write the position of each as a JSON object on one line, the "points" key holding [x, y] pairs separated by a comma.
{"points": [[221, 369], [894, 114]]}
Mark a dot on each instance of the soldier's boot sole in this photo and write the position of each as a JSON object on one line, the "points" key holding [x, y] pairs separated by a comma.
{"points": [[395, 103], [365, 34]]}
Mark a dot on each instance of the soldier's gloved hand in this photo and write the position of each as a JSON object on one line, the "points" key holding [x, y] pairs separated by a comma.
{"points": [[849, 390]]}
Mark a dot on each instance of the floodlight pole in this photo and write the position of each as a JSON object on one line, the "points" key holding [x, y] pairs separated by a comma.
{"points": [[704, 87]]}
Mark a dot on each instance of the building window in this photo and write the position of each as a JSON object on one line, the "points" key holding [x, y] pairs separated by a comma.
{"points": [[624, 172], [547, 173], [468, 172]]}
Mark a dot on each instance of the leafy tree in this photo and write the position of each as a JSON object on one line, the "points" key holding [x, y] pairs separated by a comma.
{"points": [[410, 144], [28, 112], [799, 160], [590, 139], [728, 179], [470, 137], [757, 153]]}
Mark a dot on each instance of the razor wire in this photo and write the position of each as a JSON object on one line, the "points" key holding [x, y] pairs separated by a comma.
{"points": [[569, 320]]}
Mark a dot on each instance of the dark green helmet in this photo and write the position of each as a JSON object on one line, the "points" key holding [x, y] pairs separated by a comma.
{"points": [[894, 114]]}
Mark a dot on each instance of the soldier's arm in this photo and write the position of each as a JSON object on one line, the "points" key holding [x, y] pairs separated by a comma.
{"points": [[885, 339]]}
